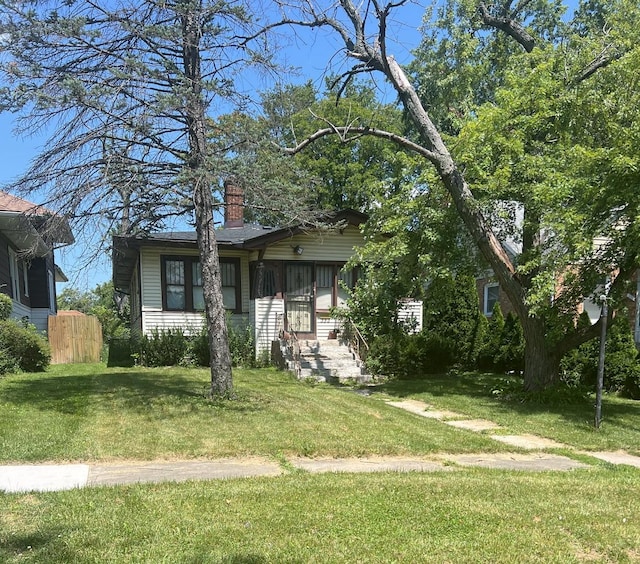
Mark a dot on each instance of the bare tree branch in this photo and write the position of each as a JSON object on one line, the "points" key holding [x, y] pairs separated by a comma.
{"points": [[348, 134]]}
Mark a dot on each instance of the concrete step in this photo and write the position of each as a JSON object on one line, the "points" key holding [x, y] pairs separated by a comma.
{"points": [[328, 361]]}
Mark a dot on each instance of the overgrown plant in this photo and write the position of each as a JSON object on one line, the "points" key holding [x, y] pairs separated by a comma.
{"points": [[22, 347]]}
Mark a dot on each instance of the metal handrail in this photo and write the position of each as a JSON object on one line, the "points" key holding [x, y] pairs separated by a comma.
{"points": [[356, 340]]}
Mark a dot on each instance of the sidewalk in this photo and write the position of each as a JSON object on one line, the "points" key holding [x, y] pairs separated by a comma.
{"points": [[49, 477]]}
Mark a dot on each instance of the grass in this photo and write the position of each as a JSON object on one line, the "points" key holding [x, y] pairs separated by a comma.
{"points": [[93, 413], [90, 413], [465, 516], [571, 423]]}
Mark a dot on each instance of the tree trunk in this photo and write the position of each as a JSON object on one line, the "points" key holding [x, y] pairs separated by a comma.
{"points": [[200, 177], [221, 377], [541, 363]]}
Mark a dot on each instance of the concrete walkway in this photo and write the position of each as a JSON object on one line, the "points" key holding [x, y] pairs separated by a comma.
{"points": [[49, 477]]}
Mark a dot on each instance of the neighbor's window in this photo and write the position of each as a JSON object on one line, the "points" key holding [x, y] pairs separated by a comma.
{"points": [[13, 273], [491, 296]]}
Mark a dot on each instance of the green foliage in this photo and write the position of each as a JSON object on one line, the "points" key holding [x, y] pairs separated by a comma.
{"points": [[172, 347], [451, 312], [166, 347], [510, 353], [22, 347], [112, 311], [621, 365], [493, 335], [6, 306], [242, 345]]}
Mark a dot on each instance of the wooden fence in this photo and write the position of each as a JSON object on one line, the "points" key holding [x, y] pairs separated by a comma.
{"points": [[74, 338]]}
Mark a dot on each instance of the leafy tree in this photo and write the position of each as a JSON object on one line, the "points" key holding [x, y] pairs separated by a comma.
{"points": [[543, 121], [452, 312], [111, 310], [126, 89]]}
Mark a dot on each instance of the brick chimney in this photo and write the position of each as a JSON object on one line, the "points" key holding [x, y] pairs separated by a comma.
{"points": [[233, 204]]}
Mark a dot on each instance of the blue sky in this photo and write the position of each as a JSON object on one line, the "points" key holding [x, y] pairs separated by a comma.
{"points": [[312, 51]]}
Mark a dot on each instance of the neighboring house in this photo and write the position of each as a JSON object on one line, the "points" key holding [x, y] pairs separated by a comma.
{"points": [[489, 293], [28, 236], [272, 278]]}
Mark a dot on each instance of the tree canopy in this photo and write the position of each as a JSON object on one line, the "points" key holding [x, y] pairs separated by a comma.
{"points": [[527, 119]]}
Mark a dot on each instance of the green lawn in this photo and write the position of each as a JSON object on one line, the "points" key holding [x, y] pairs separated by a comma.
{"points": [[90, 413], [465, 516], [570, 423]]}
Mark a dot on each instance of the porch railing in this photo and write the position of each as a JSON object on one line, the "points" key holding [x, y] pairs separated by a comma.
{"points": [[355, 339]]}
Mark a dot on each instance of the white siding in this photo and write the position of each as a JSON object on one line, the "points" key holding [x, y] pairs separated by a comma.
{"points": [[324, 324], [40, 318], [37, 316], [264, 315], [153, 317], [332, 246], [410, 312]]}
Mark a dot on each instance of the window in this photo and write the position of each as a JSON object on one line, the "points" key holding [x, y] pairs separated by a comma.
{"points": [[491, 296], [175, 289], [25, 279], [182, 288], [332, 285], [324, 286], [228, 274], [13, 273]]}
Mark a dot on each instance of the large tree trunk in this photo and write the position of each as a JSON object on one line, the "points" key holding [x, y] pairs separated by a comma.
{"points": [[541, 361], [201, 179], [221, 377]]}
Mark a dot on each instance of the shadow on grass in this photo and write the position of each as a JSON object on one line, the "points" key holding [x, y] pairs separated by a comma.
{"points": [[29, 545], [141, 391], [480, 386]]}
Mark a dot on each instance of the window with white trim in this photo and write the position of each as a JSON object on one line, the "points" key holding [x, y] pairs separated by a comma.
{"points": [[491, 297], [13, 273]]}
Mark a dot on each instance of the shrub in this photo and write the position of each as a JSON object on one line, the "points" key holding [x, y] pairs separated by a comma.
{"points": [[408, 357], [491, 342], [510, 354], [384, 356], [23, 347], [6, 307], [166, 347], [621, 367], [452, 314], [242, 345], [171, 347]]}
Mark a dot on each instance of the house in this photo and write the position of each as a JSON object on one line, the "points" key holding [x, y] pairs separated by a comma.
{"points": [[273, 278], [29, 235]]}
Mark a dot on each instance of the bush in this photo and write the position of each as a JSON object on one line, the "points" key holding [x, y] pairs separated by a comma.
{"points": [[510, 353], [384, 357], [166, 347], [22, 347], [452, 314], [242, 345], [171, 347], [6, 307], [621, 366], [408, 357]]}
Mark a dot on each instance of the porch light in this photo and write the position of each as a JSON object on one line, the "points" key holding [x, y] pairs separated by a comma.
{"points": [[298, 250]]}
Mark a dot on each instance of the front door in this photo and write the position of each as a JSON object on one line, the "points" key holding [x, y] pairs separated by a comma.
{"points": [[299, 297]]}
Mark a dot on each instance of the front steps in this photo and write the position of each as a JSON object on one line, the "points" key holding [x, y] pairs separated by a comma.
{"points": [[329, 361]]}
